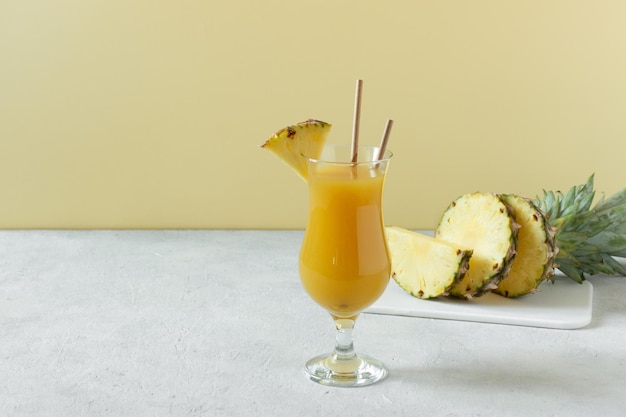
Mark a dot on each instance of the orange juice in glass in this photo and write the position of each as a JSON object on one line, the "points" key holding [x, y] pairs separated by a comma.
{"points": [[344, 260]]}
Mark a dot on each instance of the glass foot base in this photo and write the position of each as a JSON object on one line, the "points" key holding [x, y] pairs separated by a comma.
{"points": [[359, 371]]}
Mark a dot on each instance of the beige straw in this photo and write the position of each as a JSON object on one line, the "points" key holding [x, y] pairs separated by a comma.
{"points": [[384, 140], [357, 119]]}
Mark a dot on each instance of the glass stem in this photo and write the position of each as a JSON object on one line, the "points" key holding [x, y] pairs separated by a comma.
{"points": [[344, 359]]}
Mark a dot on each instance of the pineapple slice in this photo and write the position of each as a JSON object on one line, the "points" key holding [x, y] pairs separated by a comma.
{"points": [[423, 266], [483, 222], [534, 262], [292, 142]]}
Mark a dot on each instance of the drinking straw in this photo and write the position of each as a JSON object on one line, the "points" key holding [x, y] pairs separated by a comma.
{"points": [[384, 140], [357, 119]]}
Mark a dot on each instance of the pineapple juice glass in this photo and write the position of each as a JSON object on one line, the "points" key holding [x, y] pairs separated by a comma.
{"points": [[344, 261]]}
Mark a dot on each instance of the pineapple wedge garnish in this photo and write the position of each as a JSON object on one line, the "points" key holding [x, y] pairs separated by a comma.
{"points": [[423, 266], [536, 250], [292, 142], [482, 222]]}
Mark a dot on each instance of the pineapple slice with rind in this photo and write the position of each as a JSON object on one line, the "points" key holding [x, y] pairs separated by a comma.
{"points": [[483, 222], [536, 252], [294, 142], [423, 266]]}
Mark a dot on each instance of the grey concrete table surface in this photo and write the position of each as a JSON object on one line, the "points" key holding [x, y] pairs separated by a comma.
{"points": [[212, 323]]}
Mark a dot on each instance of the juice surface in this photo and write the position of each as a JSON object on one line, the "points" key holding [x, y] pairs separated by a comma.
{"points": [[344, 262]]}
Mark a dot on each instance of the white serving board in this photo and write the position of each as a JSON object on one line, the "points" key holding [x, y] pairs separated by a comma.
{"points": [[562, 305]]}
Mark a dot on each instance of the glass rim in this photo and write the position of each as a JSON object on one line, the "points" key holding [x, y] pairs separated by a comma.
{"points": [[385, 158]]}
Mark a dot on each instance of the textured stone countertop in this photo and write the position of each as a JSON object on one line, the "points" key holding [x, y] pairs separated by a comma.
{"points": [[215, 323]]}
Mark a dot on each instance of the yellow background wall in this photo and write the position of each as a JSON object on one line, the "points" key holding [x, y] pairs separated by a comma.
{"points": [[144, 114]]}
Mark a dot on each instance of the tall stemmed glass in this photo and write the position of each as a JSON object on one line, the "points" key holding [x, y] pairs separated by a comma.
{"points": [[344, 260]]}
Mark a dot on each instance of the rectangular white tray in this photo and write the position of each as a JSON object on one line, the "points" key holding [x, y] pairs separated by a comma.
{"points": [[562, 305]]}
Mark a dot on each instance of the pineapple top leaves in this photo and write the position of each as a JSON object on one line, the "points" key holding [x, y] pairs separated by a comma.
{"points": [[588, 238]]}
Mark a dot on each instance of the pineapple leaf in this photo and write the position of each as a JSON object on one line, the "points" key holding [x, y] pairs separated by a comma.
{"points": [[571, 270], [614, 266], [547, 204], [587, 237], [616, 200], [611, 243]]}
